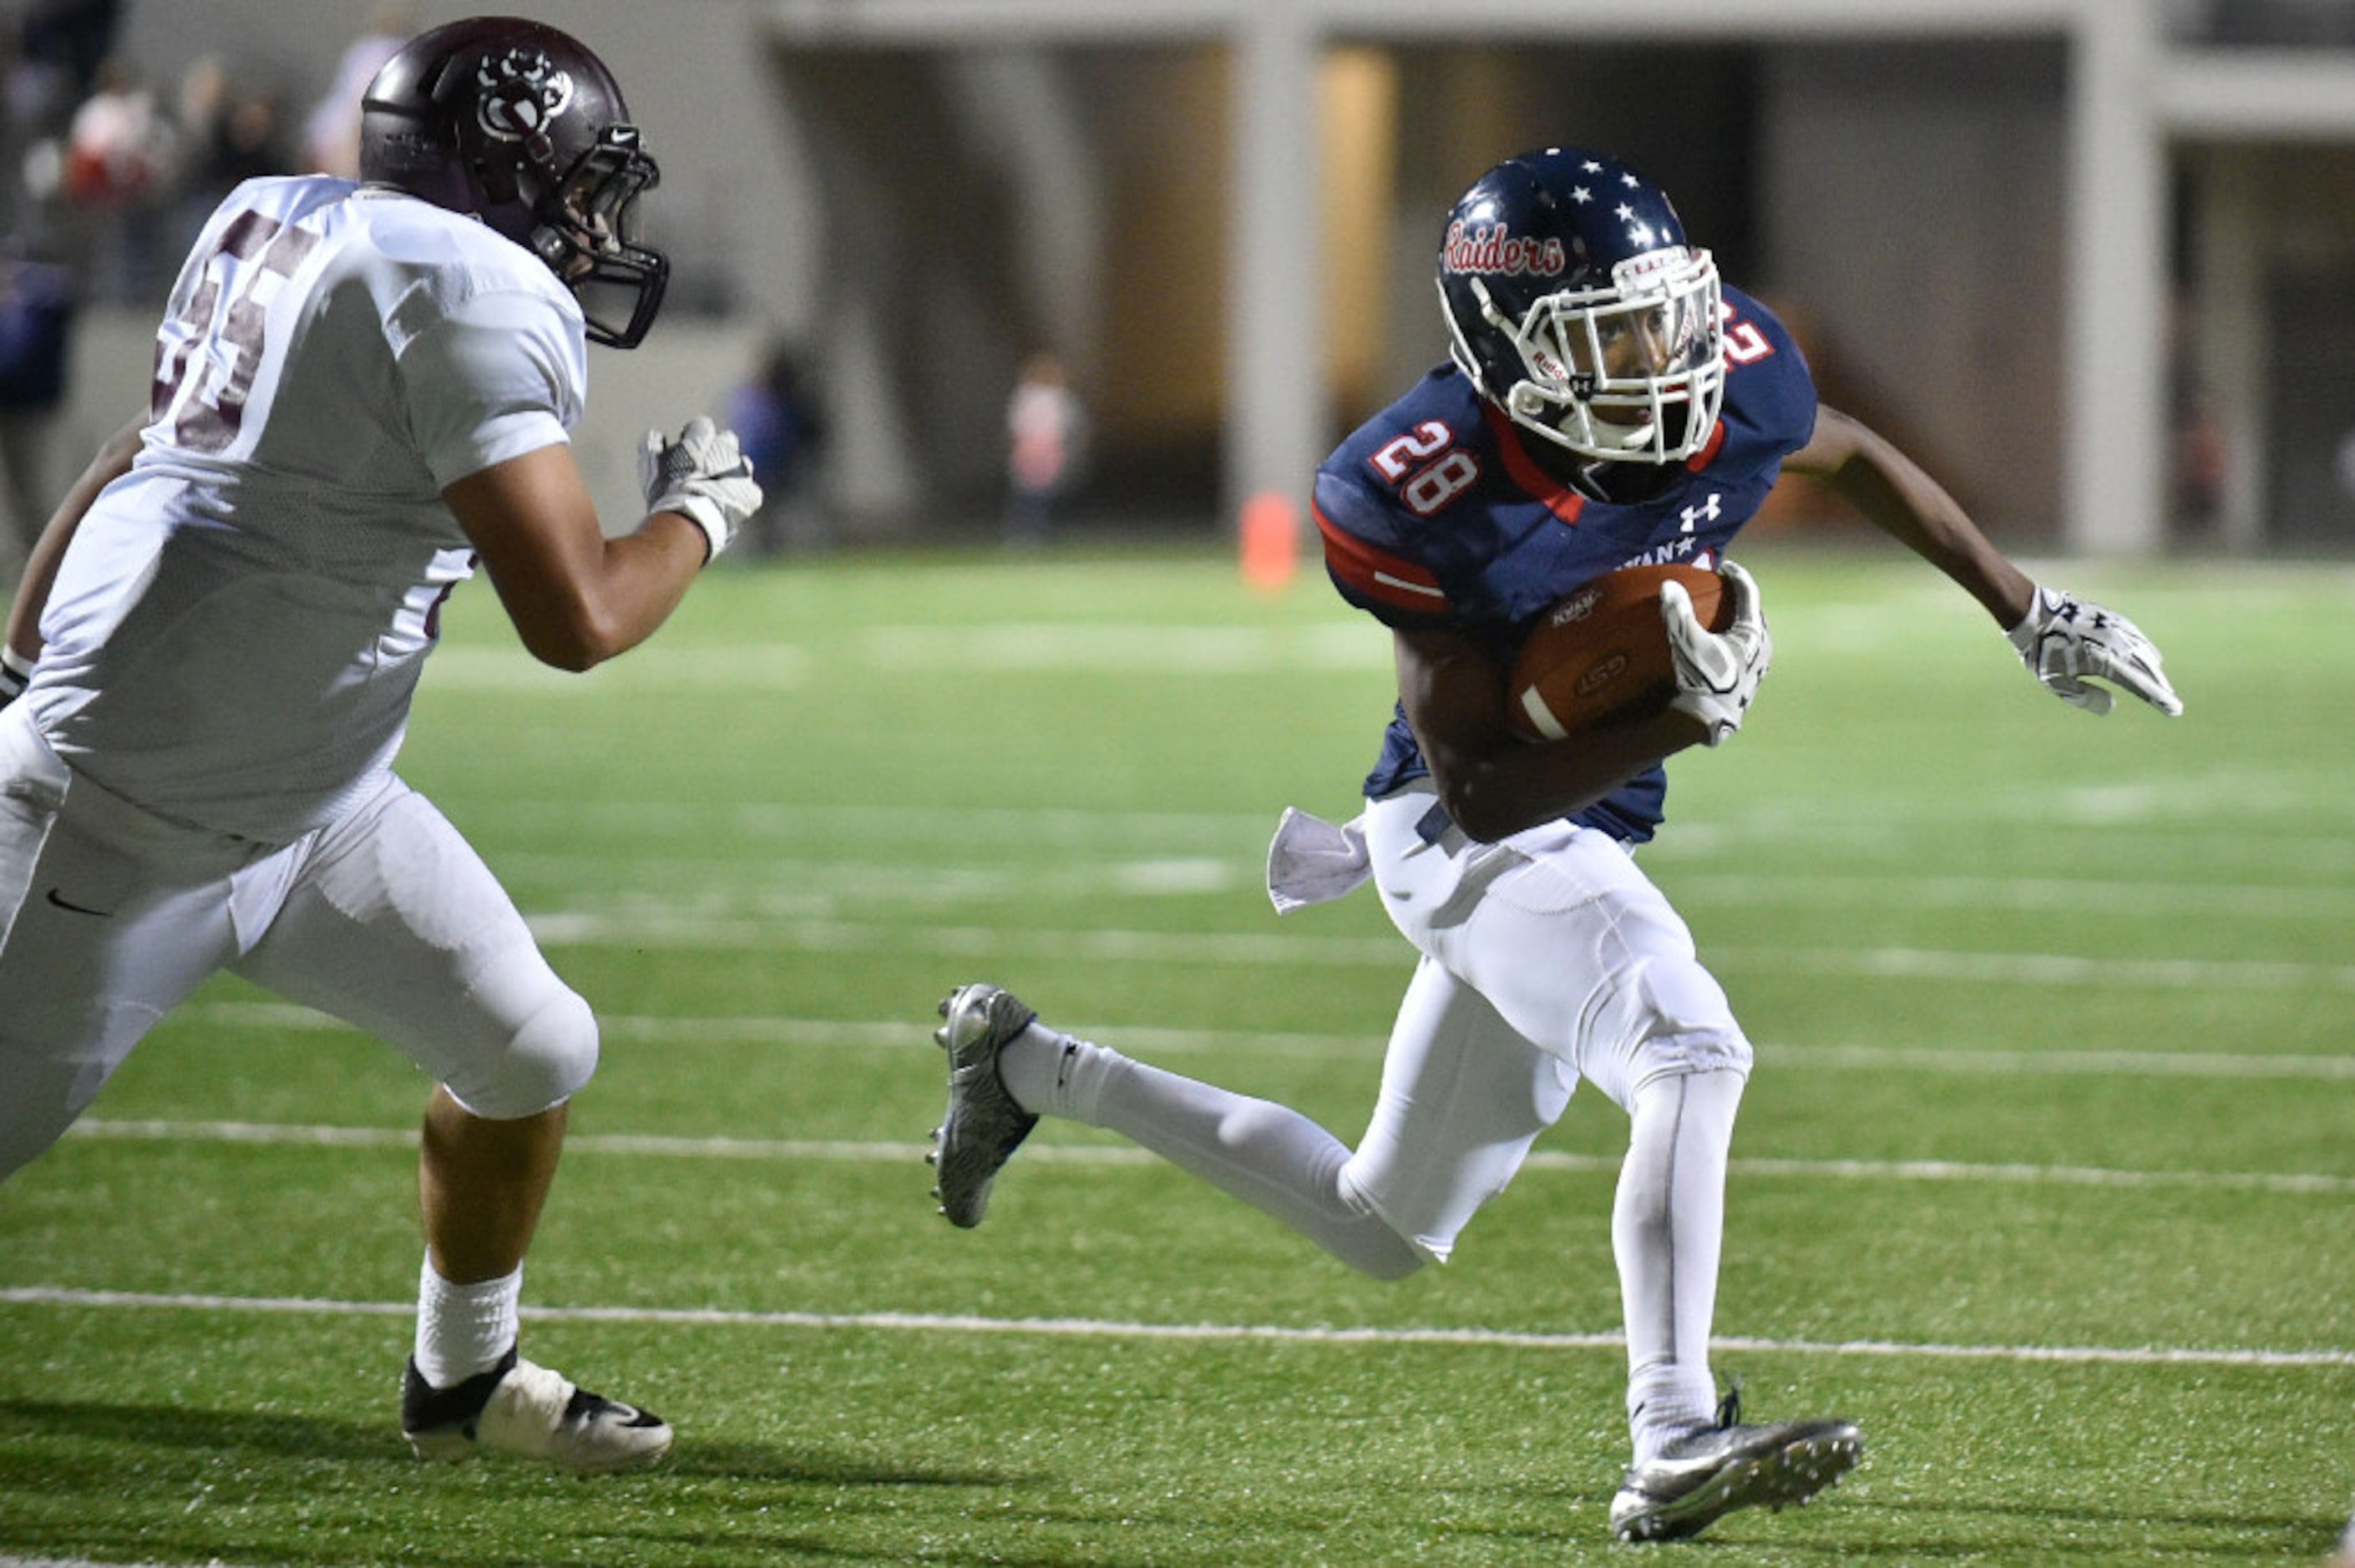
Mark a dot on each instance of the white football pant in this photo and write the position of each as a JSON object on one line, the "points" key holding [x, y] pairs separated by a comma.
{"points": [[386, 919], [1546, 957]]}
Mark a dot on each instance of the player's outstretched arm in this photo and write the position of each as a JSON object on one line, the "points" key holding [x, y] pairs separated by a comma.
{"points": [[578, 598], [1492, 782], [2061, 638], [1892, 492]]}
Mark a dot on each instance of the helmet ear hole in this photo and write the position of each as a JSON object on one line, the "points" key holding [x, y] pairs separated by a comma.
{"points": [[496, 183]]}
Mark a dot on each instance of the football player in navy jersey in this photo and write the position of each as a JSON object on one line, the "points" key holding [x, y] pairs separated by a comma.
{"points": [[1610, 403]]}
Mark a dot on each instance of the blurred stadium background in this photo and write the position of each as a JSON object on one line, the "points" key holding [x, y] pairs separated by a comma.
{"points": [[2091, 258]]}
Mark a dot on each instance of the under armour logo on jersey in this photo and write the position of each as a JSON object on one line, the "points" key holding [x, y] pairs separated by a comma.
{"points": [[522, 90], [1708, 511]]}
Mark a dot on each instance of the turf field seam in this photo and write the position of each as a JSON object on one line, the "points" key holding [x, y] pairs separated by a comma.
{"points": [[657, 928], [1092, 1154], [870, 1034], [1110, 1329], [941, 884]]}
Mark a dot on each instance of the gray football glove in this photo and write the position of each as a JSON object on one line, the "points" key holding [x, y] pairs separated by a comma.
{"points": [[1718, 672], [2063, 639], [15, 674], [702, 477]]}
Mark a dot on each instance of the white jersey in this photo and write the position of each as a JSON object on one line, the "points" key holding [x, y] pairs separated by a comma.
{"points": [[239, 626]]}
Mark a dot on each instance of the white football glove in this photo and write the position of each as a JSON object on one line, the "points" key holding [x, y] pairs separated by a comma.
{"points": [[702, 477], [1718, 672], [2063, 639]]}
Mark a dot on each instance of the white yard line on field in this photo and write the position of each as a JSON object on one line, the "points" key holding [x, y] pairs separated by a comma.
{"points": [[1103, 1329], [1219, 863], [2289, 840], [1144, 1040], [1095, 1154], [670, 928], [2240, 901]]}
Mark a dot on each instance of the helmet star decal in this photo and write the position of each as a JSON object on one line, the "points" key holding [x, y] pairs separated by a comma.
{"points": [[1578, 308], [522, 91]]}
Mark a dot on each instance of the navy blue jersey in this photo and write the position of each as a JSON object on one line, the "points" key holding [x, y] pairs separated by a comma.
{"points": [[1434, 515]]}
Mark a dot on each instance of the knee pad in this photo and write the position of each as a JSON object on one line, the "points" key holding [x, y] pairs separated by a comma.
{"points": [[547, 1060], [1367, 1240], [1700, 1051], [1678, 1021]]}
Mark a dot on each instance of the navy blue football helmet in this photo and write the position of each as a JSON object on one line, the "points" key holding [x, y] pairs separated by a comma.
{"points": [[1577, 307], [520, 126]]}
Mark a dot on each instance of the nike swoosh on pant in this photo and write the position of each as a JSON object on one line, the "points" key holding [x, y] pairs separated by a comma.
{"points": [[57, 898]]}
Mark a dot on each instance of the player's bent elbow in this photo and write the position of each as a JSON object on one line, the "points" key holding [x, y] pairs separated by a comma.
{"points": [[575, 658], [1494, 797], [577, 640], [573, 655]]}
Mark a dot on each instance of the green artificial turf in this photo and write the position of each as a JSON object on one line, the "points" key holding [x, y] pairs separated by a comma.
{"points": [[2044, 1176]]}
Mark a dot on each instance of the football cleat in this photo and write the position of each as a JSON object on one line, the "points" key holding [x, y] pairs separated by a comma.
{"points": [[1700, 1479], [984, 1125], [521, 1408]]}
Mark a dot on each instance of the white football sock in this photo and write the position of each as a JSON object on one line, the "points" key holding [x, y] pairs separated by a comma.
{"points": [[463, 1329], [1667, 1227], [1268, 1155], [1033, 1064]]}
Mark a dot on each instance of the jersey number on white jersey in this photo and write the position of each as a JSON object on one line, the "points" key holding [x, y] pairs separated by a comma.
{"points": [[252, 248]]}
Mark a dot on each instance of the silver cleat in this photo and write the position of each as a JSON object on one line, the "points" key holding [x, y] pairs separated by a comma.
{"points": [[1700, 1479], [984, 1125]]}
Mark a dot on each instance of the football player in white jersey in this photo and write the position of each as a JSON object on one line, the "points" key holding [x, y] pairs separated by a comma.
{"points": [[363, 391]]}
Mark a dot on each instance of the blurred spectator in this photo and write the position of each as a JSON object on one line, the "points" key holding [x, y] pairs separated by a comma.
{"points": [[2198, 446], [61, 45], [37, 310], [120, 159], [331, 135], [229, 134], [2202, 458], [1046, 432], [119, 149], [779, 429]]}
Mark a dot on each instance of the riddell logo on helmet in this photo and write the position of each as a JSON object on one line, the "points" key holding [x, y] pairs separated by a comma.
{"points": [[1493, 249], [522, 91]]}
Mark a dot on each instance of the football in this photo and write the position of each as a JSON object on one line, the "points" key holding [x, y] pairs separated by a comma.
{"points": [[1600, 656]]}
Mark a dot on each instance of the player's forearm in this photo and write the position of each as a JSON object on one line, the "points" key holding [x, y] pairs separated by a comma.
{"points": [[1496, 790], [1492, 782], [1897, 497], [111, 462], [577, 598], [576, 619]]}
